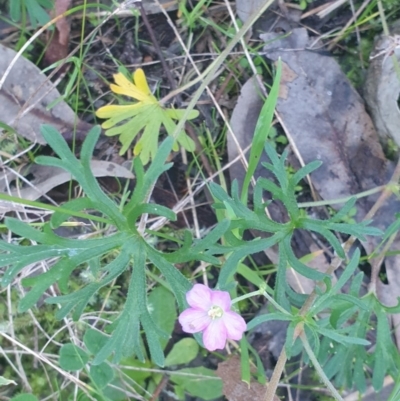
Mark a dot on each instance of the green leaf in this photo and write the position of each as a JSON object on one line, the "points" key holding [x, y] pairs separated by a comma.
{"points": [[266, 318], [15, 10], [245, 372], [341, 338], [348, 272], [250, 275], [162, 309], [300, 267], [342, 213], [201, 383], [359, 375], [79, 299], [146, 180], [37, 15], [180, 285], [125, 339], [77, 205], [141, 370], [289, 338], [62, 270], [146, 113], [246, 248], [326, 299], [280, 283], [261, 132], [81, 171], [261, 378], [194, 250], [153, 336], [386, 354], [394, 227], [72, 357], [302, 173], [341, 313], [101, 374], [94, 340], [183, 352], [34, 9]]}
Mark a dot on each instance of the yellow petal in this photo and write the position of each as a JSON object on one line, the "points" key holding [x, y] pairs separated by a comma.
{"points": [[141, 82], [127, 88]]}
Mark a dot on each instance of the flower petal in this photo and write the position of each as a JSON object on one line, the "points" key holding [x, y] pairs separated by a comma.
{"points": [[194, 320], [200, 297], [221, 299], [234, 324], [215, 335]]}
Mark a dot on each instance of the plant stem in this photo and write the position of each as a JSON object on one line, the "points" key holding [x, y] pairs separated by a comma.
{"points": [[245, 296], [383, 18], [342, 200], [276, 375], [266, 295]]}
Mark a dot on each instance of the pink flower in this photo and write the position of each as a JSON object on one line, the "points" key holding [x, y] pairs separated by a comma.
{"points": [[210, 312]]}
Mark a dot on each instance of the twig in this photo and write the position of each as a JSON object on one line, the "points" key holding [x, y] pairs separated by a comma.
{"points": [[158, 50], [351, 20], [160, 387]]}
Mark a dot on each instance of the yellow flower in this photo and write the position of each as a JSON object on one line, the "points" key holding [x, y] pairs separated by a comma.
{"points": [[145, 114]]}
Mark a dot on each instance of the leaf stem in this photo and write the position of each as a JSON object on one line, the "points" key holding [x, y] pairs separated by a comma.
{"points": [[342, 200], [58, 209]]}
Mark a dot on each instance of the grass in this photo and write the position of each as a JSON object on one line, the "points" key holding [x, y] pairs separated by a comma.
{"points": [[31, 342]]}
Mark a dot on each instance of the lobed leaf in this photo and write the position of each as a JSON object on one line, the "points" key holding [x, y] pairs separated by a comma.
{"points": [[146, 114]]}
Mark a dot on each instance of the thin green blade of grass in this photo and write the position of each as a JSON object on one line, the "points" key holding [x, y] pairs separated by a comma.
{"points": [[261, 132]]}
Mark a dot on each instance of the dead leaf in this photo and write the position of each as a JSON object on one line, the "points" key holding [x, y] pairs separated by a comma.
{"points": [[25, 99], [56, 52], [245, 8], [61, 6], [57, 48], [46, 178], [382, 87], [234, 388], [326, 118]]}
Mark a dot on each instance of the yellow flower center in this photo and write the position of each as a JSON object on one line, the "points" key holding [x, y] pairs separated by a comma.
{"points": [[215, 312]]}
